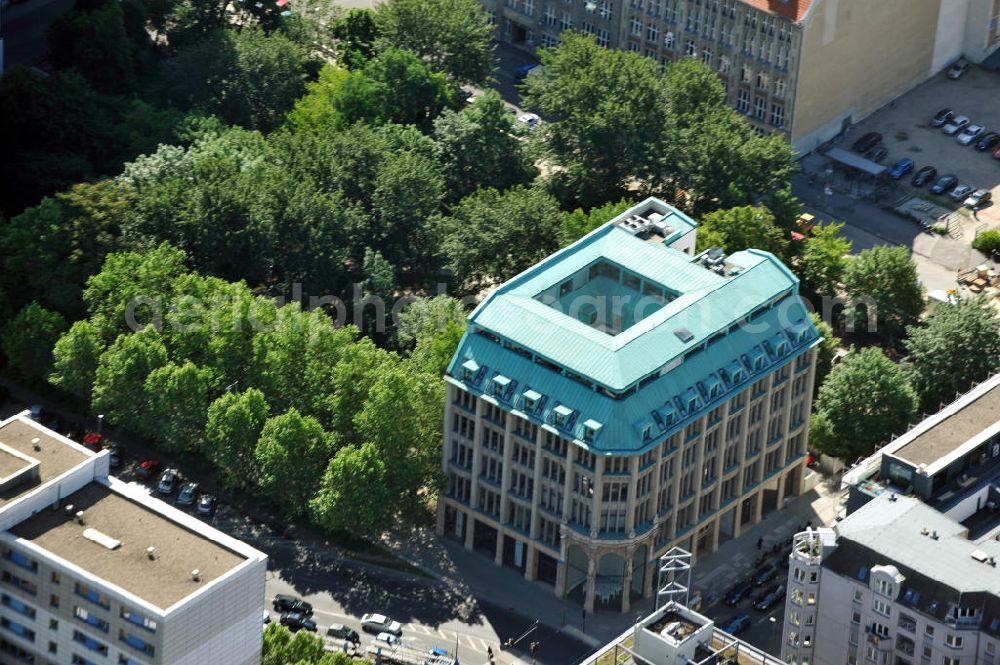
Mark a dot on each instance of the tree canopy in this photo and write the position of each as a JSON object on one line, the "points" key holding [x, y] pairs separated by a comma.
{"points": [[957, 346], [865, 400], [884, 292]]}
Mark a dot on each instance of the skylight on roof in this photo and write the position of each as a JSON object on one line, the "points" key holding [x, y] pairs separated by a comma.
{"points": [[684, 335]]}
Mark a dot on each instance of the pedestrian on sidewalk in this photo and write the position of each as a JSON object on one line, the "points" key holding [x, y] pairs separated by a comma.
{"points": [[760, 542]]}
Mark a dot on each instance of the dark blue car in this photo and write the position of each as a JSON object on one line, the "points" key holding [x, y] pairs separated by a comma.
{"points": [[901, 168], [945, 184], [523, 71], [738, 624]]}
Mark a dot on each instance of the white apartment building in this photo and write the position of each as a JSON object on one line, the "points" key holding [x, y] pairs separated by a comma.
{"points": [[94, 571], [895, 583]]}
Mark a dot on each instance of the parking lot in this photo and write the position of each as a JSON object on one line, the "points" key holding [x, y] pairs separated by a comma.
{"points": [[905, 127]]}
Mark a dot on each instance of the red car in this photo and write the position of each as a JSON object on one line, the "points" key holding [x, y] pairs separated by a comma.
{"points": [[147, 468], [92, 441], [996, 155]]}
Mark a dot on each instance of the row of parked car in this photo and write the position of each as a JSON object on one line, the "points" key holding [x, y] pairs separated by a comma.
{"points": [[946, 184], [769, 592], [188, 493], [296, 614]]}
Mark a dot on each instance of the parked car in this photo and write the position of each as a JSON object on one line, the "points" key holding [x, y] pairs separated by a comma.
{"points": [[188, 494], [168, 481], [878, 153], [738, 592], [996, 154], [957, 69], [114, 455], [35, 412], [147, 469], [970, 134], [941, 117], [961, 192], [988, 141], [738, 624], [978, 199], [380, 623], [770, 598], [944, 184], [341, 632], [867, 142], [387, 638], [764, 574], [923, 176], [296, 621], [206, 504], [524, 71], [529, 120], [901, 168], [956, 124], [284, 604], [92, 441]]}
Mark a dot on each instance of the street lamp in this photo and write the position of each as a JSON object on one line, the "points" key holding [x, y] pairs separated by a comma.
{"points": [[100, 423]]}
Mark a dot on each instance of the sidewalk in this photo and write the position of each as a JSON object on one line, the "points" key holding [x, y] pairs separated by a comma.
{"points": [[477, 575]]}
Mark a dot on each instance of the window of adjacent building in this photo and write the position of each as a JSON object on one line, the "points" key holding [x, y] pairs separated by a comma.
{"points": [[18, 606], [18, 629], [858, 595], [929, 630], [528, 7], [53, 647], [991, 648], [881, 607], [706, 56], [779, 91], [948, 660], [760, 108], [601, 36], [856, 617], [565, 21], [954, 641], [550, 20], [691, 49], [605, 10], [669, 41], [635, 26], [652, 33], [743, 101], [777, 115]]}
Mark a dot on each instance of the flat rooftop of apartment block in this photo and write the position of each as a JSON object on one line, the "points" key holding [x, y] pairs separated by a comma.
{"points": [[112, 543], [952, 432], [27, 441]]}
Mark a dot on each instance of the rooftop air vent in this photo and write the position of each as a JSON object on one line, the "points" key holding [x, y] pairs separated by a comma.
{"points": [[102, 539], [196, 575], [79, 516], [934, 534], [684, 335], [70, 510], [36, 444], [151, 552], [980, 556]]}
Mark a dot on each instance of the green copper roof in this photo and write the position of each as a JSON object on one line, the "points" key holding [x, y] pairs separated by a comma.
{"points": [[625, 392], [708, 303]]}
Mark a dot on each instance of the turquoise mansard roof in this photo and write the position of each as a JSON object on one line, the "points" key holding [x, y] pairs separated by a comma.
{"points": [[749, 320]]}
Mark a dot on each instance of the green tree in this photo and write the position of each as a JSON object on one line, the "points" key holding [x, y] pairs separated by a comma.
{"points": [[988, 241], [75, 359], [407, 91], [178, 397], [956, 347], [354, 494], [132, 289], [356, 33], [864, 401], [454, 36], [477, 149], [823, 261], [578, 223], [235, 422], [826, 352], [247, 77], [291, 455], [28, 340], [746, 227], [282, 647], [94, 42], [884, 292], [425, 317], [610, 106], [492, 236], [433, 353], [120, 380]]}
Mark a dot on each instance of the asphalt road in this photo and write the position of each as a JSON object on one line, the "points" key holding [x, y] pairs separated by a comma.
{"points": [[24, 26]]}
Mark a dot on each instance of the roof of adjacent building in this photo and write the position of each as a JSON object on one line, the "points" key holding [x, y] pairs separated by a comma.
{"points": [[136, 525], [715, 331], [55, 454], [793, 10], [928, 548], [969, 420]]}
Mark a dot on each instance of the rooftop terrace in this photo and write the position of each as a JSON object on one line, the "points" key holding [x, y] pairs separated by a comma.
{"points": [[111, 544], [25, 441]]}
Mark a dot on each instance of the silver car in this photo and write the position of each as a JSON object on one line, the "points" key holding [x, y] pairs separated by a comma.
{"points": [[978, 198], [970, 134], [956, 124]]}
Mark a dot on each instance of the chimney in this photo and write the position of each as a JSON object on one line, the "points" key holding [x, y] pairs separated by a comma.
{"points": [[892, 497], [934, 534], [36, 444], [924, 531], [151, 553], [196, 575], [79, 517], [70, 510], [992, 561]]}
